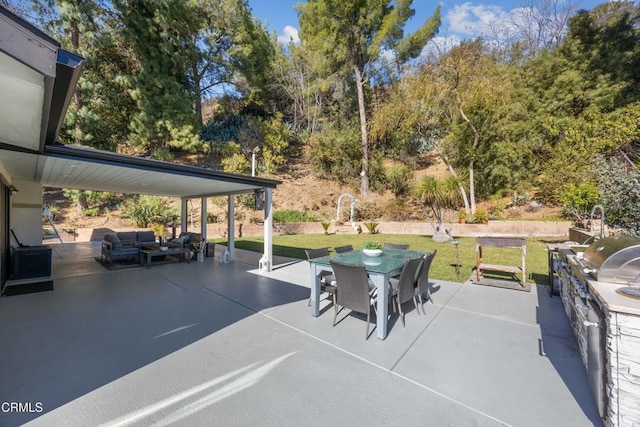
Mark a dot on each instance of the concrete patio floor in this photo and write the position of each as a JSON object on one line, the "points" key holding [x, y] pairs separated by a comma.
{"points": [[218, 344]]}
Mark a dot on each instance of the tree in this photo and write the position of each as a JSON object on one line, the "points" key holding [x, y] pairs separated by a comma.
{"points": [[538, 25], [478, 93], [579, 141], [620, 194], [439, 195], [417, 116], [354, 35], [213, 39], [297, 74], [160, 34]]}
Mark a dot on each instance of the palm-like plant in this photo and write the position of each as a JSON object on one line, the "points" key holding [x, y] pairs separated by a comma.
{"points": [[441, 196]]}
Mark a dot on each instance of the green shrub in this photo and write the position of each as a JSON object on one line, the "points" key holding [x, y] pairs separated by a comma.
{"points": [[212, 218], [364, 210], [293, 216], [336, 154], [93, 212], [399, 179], [276, 141], [398, 210], [146, 210], [56, 214], [520, 199], [234, 161], [372, 227], [246, 200], [620, 192], [577, 201], [480, 217]]}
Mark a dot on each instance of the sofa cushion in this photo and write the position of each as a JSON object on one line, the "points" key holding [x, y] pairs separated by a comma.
{"points": [[178, 242], [127, 238], [146, 237], [186, 237], [116, 245]]}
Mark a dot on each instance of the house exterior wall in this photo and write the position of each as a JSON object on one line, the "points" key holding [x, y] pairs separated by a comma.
{"points": [[26, 213]]}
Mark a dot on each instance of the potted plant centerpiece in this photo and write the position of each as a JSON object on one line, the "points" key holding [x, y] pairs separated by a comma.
{"points": [[372, 249]]}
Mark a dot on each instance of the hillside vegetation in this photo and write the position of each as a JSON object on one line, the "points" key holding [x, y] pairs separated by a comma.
{"points": [[547, 108]]}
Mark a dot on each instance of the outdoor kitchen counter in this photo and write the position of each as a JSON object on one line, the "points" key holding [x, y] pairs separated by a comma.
{"points": [[613, 301], [608, 338], [622, 319]]}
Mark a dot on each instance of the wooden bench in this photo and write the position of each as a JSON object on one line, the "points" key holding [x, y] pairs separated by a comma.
{"points": [[505, 243]]}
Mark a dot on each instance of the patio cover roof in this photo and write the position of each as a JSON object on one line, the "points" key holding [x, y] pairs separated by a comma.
{"points": [[63, 166]]}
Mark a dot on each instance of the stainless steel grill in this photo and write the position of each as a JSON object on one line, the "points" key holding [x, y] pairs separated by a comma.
{"points": [[614, 259]]}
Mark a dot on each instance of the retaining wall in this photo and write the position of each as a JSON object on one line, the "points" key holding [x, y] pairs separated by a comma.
{"points": [[559, 229]]}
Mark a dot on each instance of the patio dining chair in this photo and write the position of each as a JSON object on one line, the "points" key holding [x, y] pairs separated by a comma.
{"points": [[422, 283], [355, 293], [395, 246], [327, 279], [403, 287], [342, 249]]}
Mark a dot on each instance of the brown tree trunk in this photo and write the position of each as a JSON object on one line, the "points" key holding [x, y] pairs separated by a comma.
{"points": [[197, 98], [364, 175], [476, 140], [453, 173]]}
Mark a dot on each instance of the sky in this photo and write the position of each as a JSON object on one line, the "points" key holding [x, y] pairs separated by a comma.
{"points": [[460, 20]]}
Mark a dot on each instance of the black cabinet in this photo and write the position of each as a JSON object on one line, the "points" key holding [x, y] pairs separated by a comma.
{"points": [[30, 261]]}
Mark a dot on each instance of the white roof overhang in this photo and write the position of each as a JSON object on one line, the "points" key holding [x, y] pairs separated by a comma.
{"points": [[61, 166], [37, 79]]}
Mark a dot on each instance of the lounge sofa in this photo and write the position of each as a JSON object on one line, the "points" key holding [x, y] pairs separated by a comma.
{"points": [[188, 239], [126, 244], [184, 240]]}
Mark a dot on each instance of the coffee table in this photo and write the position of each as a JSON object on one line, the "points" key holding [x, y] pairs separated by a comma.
{"points": [[150, 253]]}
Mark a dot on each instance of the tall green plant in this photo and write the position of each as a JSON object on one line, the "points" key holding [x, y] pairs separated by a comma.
{"points": [[440, 196], [83, 199], [160, 35], [354, 36], [146, 210], [578, 200], [620, 195], [399, 179]]}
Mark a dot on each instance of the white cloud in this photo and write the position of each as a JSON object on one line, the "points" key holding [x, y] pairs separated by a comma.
{"points": [[290, 35], [470, 20], [388, 55], [438, 46]]}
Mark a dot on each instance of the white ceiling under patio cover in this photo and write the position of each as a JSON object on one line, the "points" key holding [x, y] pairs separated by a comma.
{"points": [[88, 169]]}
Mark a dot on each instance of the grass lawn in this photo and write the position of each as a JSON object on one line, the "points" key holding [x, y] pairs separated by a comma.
{"points": [[443, 266]]}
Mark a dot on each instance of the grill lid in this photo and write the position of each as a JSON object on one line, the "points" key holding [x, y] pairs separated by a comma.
{"points": [[614, 259]]}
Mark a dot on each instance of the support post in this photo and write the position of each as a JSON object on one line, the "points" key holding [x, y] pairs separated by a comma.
{"points": [[231, 227], [203, 218], [266, 262], [183, 215]]}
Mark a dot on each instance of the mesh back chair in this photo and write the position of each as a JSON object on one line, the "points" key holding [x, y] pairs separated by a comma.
{"points": [[327, 279], [341, 249], [355, 293], [422, 284], [403, 288], [395, 246]]}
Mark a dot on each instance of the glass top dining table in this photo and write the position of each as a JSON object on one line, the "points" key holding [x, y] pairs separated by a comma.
{"points": [[380, 270]]}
